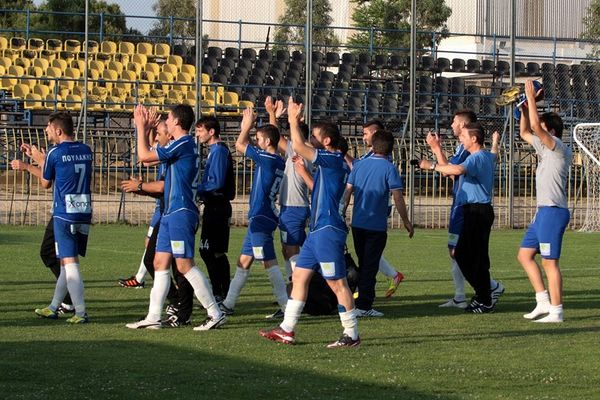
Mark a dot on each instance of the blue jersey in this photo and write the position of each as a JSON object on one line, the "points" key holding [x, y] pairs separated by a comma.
{"points": [[329, 183], [373, 178], [181, 163], [265, 184], [460, 155], [215, 172], [69, 165], [478, 180]]}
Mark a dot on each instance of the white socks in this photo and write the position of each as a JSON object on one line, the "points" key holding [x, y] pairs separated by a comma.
{"points": [[235, 287], [350, 323], [386, 269], [141, 273], [75, 286], [60, 290], [203, 291], [555, 315], [542, 305], [292, 314], [158, 294], [459, 281], [279, 289]]}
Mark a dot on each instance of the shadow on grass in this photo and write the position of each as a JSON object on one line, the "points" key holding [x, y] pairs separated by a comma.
{"points": [[136, 369]]}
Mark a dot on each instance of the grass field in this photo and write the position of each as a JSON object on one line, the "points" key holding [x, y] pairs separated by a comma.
{"points": [[417, 351]]}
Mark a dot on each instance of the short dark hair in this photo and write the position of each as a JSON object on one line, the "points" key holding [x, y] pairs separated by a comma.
{"points": [[553, 123], [210, 122], [62, 120], [304, 130], [330, 130], [344, 147], [270, 132], [475, 129], [382, 142], [184, 114], [466, 114], [374, 122]]}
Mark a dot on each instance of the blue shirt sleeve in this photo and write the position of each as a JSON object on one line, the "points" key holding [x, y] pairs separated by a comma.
{"points": [[216, 171], [394, 179], [352, 176], [328, 159], [49, 165], [252, 153]]}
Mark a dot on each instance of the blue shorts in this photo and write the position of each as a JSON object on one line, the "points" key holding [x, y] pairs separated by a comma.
{"points": [[546, 231], [70, 238], [292, 225], [153, 221], [455, 225], [177, 234], [323, 252], [258, 242]]}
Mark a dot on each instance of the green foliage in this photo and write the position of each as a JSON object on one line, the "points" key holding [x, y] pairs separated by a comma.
{"points": [[591, 23], [113, 20], [295, 14], [10, 20], [394, 15], [175, 8]]}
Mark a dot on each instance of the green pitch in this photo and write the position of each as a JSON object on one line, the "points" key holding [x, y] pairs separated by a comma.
{"points": [[417, 351]]}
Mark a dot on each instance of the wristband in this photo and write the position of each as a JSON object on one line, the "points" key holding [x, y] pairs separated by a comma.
{"points": [[139, 188]]}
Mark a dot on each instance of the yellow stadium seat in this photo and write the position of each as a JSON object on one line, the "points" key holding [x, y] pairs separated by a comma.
{"points": [[108, 47], [191, 94], [93, 75], [243, 104], [35, 71], [115, 66], [162, 50], [126, 48], [78, 64], [35, 44], [30, 54], [28, 80], [73, 102], [205, 79], [190, 102], [141, 59], [12, 78], [170, 68], [164, 79], [42, 63], [175, 60], [189, 69], [185, 80], [59, 63], [130, 103], [135, 68], [110, 77], [97, 65], [74, 73], [141, 89], [20, 90], [68, 56], [42, 90], [213, 98], [3, 43], [176, 96], [23, 62], [52, 73], [54, 45], [104, 57], [53, 102], [91, 46], [152, 67], [122, 58], [144, 48], [18, 43], [2, 70], [33, 101], [72, 45], [69, 81], [6, 62], [207, 108], [10, 53], [148, 76], [48, 55]]}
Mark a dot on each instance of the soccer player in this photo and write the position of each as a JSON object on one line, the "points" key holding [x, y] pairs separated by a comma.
{"points": [[323, 250], [216, 190], [546, 231], [262, 216], [371, 181], [460, 120], [68, 167], [180, 217], [474, 197], [394, 276]]}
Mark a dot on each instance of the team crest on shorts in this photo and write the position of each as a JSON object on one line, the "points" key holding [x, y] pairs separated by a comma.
{"points": [[258, 252], [545, 249], [178, 246], [328, 268]]}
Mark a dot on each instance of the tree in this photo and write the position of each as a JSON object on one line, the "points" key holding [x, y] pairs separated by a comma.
{"points": [[591, 24], [113, 20], [391, 22], [295, 14], [15, 20], [184, 22]]}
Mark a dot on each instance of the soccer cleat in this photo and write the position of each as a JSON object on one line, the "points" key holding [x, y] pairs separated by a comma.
{"points": [[76, 319], [344, 341], [497, 292], [65, 309], [278, 335], [46, 312], [540, 309], [211, 323], [355, 295], [276, 315], [368, 313], [552, 318], [131, 282], [394, 282], [454, 303], [226, 310], [171, 310], [174, 322], [479, 308], [144, 324]]}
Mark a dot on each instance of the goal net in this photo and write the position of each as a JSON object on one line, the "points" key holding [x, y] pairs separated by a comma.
{"points": [[587, 137]]}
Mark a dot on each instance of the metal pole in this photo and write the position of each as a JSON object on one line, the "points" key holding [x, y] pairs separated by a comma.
{"points": [[412, 101], [199, 53], [511, 128], [308, 50], [85, 71]]}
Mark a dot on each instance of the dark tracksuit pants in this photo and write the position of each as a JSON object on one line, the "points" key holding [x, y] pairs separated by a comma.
{"points": [[369, 247]]}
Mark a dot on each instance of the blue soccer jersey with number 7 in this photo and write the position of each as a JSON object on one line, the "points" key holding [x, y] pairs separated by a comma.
{"points": [[69, 166]]}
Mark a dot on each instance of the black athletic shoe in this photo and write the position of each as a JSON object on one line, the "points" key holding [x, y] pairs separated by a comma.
{"points": [[174, 322], [344, 341], [479, 308], [171, 310]]}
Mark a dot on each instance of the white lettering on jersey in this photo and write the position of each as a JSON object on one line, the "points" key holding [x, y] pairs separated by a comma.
{"points": [[78, 204]]}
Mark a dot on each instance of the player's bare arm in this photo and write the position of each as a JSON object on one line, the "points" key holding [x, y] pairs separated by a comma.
{"points": [[243, 140], [299, 145], [534, 119], [401, 208], [143, 123]]}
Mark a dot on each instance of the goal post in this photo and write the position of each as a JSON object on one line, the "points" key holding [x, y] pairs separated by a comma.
{"points": [[587, 137]]}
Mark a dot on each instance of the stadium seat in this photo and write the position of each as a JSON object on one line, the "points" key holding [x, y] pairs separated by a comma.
{"points": [[185, 81], [152, 67], [397, 62], [10, 53], [283, 56], [426, 63], [232, 53], [72, 45], [299, 57], [144, 48], [20, 90], [2, 71], [23, 62], [332, 59], [126, 48], [380, 61], [488, 66], [108, 47], [442, 64], [458, 65], [189, 69], [502, 67], [362, 71], [349, 59], [35, 44], [18, 43], [180, 50], [249, 54], [59, 63], [170, 68], [14, 73], [162, 50], [68, 56], [265, 55], [473, 66], [91, 46], [135, 68], [33, 101], [115, 66], [214, 52], [3, 43]]}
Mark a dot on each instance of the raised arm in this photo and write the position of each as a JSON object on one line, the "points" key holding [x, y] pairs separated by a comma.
{"points": [[401, 208], [137, 185], [143, 125], [448, 169], [534, 119], [346, 198], [298, 143], [435, 144], [243, 139], [39, 156], [495, 142]]}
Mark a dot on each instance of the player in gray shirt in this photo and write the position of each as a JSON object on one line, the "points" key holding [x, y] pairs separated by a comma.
{"points": [[546, 231]]}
